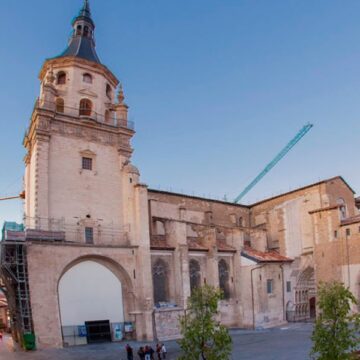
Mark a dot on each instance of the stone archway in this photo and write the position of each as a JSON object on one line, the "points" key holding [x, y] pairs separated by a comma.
{"points": [[305, 295], [95, 297]]}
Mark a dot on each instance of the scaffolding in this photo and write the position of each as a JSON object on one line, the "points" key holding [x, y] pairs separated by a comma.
{"points": [[14, 273]]}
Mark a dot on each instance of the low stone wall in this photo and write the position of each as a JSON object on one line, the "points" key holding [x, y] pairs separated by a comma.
{"points": [[167, 326]]}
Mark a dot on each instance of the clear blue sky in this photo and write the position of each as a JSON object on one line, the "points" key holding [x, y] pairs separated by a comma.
{"points": [[216, 87]]}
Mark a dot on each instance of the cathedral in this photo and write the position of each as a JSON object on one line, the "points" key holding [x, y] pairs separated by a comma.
{"points": [[101, 257]]}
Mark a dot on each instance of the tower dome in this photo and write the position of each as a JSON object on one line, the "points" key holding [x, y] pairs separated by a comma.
{"points": [[82, 42]]}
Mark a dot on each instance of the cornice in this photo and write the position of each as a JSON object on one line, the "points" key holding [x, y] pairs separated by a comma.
{"points": [[71, 61], [45, 123]]}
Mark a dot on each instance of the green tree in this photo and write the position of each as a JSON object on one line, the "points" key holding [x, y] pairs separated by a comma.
{"points": [[335, 333], [203, 336]]}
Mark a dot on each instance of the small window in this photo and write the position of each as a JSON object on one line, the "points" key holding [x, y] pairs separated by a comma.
{"points": [[269, 286], [85, 107], [87, 163], [335, 234], [86, 31], [89, 235], [107, 117], [78, 30], [348, 232], [209, 217], [87, 78], [288, 286], [108, 91], [61, 78], [60, 105], [342, 208], [241, 221]]}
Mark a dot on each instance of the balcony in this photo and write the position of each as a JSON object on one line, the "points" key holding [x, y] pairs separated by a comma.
{"points": [[58, 230], [85, 114]]}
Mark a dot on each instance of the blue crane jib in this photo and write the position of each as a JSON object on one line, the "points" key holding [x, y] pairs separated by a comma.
{"points": [[276, 159]]}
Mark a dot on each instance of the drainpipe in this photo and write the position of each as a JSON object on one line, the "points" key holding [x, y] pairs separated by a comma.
{"points": [[252, 293], [347, 255], [283, 290]]}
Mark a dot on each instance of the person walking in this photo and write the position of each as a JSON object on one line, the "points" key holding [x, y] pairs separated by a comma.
{"points": [[163, 351], [147, 353], [129, 351], [141, 353], [152, 352], [158, 351]]}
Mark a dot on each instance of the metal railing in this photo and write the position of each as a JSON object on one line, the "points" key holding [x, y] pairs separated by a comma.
{"points": [[84, 114], [59, 230]]}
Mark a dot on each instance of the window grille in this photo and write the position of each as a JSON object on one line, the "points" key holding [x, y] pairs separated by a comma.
{"points": [[87, 163], [89, 235], [195, 275]]}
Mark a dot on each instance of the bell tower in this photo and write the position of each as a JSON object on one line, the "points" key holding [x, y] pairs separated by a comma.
{"points": [[79, 178]]}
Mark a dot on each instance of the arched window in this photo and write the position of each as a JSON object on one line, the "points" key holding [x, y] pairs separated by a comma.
{"points": [[108, 91], [61, 78], [195, 275], [342, 208], [224, 278], [107, 117], [87, 78], [85, 107], [241, 221], [160, 281], [60, 105], [78, 30], [86, 31]]}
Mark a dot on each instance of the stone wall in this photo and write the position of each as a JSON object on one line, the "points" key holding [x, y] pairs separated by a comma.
{"points": [[167, 326]]}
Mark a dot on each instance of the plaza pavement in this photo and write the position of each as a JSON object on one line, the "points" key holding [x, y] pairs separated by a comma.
{"points": [[291, 342]]}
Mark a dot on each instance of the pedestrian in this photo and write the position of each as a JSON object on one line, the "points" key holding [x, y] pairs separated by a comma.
{"points": [[152, 352], [163, 351], [158, 351], [141, 353], [129, 351], [147, 353]]}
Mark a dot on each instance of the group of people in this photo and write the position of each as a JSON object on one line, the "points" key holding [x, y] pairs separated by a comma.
{"points": [[147, 352]]}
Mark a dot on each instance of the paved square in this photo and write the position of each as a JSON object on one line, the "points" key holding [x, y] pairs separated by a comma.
{"points": [[289, 342]]}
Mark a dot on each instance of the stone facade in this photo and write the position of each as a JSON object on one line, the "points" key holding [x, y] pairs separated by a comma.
{"points": [[84, 201]]}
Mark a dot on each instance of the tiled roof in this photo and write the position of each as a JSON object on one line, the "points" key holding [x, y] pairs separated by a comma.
{"points": [[260, 256], [351, 220]]}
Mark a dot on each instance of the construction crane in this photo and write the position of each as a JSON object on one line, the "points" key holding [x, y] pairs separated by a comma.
{"points": [[20, 196], [276, 159]]}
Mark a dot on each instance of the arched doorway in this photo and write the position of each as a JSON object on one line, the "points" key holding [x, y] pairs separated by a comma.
{"points": [[305, 295], [91, 304]]}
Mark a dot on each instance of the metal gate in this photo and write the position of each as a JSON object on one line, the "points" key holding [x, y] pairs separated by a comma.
{"points": [[98, 331]]}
